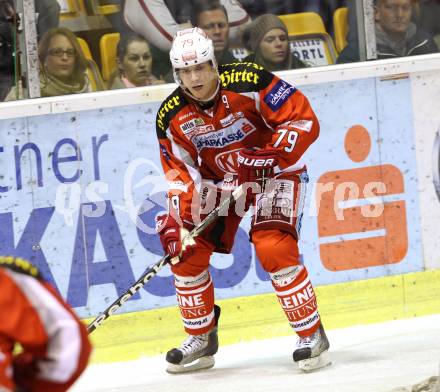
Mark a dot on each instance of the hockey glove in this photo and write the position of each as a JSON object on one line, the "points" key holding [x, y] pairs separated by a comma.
{"points": [[25, 371], [256, 166], [174, 238]]}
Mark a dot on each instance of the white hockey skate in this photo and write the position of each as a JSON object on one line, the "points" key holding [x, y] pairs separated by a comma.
{"points": [[311, 352], [196, 352]]}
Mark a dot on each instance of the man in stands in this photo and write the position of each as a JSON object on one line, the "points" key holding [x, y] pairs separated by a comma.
{"points": [[396, 35], [228, 126], [212, 18], [158, 20]]}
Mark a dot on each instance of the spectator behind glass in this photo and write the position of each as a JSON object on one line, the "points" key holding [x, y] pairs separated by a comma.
{"points": [[426, 14], [396, 34], [62, 66], [268, 39], [48, 16], [325, 8], [212, 18], [135, 62], [159, 20], [48, 12], [430, 18]]}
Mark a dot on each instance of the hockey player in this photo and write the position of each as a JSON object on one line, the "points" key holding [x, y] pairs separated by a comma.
{"points": [[55, 345], [235, 124]]}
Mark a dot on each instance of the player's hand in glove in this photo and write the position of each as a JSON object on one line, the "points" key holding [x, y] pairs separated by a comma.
{"points": [[256, 166], [25, 370], [174, 238]]}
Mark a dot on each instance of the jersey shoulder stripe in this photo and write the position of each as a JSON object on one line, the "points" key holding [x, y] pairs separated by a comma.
{"points": [[169, 108], [244, 77], [20, 265]]}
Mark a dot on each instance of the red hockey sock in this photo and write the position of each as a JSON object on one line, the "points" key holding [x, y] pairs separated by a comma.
{"points": [[195, 296], [297, 298]]}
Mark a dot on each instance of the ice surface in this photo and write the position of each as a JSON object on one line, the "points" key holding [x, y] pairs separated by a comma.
{"points": [[366, 358]]}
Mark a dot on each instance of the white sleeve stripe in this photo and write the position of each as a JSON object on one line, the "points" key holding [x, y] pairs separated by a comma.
{"points": [[64, 345]]}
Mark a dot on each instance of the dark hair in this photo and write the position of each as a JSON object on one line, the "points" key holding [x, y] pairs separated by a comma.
{"points": [[80, 61], [127, 39], [200, 6]]}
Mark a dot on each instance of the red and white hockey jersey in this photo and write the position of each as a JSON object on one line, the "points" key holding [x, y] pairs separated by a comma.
{"points": [[255, 108], [55, 345]]}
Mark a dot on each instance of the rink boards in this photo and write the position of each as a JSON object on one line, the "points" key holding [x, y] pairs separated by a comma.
{"points": [[259, 317], [78, 171]]}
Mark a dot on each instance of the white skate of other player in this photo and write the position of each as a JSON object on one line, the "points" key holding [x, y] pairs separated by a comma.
{"points": [[311, 352]]}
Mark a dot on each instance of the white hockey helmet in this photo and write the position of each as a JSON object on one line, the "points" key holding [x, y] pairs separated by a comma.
{"points": [[190, 47]]}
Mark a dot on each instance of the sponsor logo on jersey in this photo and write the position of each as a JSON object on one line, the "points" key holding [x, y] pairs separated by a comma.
{"points": [[186, 115], [187, 126], [279, 94], [191, 124], [227, 161], [199, 130], [235, 76], [228, 120], [166, 107], [164, 152], [235, 133], [304, 125], [199, 121]]}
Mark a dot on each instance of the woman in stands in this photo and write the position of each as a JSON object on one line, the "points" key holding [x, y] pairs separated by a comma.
{"points": [[135, 62], [62, 66], [268, 39]]}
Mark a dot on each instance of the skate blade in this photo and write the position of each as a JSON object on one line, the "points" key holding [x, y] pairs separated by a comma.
{"points": [[310, 364], [202, 363]]}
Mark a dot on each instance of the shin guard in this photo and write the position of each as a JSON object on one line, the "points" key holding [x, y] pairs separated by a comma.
{"points": [[297, 298], [195, 296]]}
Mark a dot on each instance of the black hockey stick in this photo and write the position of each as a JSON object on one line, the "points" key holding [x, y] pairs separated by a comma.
{"points": [[152, 271]]}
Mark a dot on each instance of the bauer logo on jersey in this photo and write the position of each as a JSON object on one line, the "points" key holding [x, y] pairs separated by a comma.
{"points": [[235, 133], [279, 94]]}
